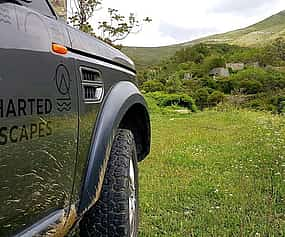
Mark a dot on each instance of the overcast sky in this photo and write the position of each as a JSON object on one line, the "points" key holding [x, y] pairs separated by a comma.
{"points": [[184, 20]]}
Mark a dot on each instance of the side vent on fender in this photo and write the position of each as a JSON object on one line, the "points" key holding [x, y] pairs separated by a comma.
{"points": [[92, 85]]}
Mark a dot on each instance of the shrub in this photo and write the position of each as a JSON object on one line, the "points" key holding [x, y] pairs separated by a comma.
{"points": [[209, 82], [173, 85], [182, 100], [201, 97], [216, 97], [152, 104], [213, 62], [152, 86], [257, 74], [279, 103], [251, 86], [227, 85]]}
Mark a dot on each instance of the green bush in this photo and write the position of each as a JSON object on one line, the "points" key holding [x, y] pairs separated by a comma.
{"points": [[209, 82], [152, 86], [201, 98], [216, 97], [227, 85], [165, 100], [250, 86], [174, 85], [279, 103], [213, 62], [257, 74], [152, 104]]}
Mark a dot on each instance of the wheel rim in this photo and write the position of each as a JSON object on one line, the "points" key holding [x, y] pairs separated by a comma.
{"points": [[132, 200]]}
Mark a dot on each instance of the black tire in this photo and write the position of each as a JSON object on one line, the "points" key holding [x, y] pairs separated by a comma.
{"points": [[111, 214]]}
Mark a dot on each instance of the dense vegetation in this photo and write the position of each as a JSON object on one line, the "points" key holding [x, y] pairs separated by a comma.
{"points": [[259, 82]]}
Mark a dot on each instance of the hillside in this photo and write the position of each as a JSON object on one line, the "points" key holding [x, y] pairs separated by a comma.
{"points": [[258, 34], [255, 35], [144, 56]]}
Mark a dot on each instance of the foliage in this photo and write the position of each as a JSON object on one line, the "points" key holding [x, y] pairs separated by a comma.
{"points": [[189, 74], [173, 85], [267, 102], [182, 100], [227, 85], [152, 86], [118, 27], [196, 54], [201, 98], [276, 51], [214, 61], [216, 97], [257, 74], [246, 55], [84, 11], [250, 86], [255, 80]]}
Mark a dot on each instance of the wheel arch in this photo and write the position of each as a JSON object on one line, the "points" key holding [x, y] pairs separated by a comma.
{"points": [[137, 121], [123, 107]]}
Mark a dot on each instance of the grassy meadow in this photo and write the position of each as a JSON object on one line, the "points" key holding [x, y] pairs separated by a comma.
{"points": [[214, 173]]}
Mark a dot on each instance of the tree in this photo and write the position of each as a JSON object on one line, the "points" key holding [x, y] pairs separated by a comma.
{"points": [[118, 27], [84, 11]]}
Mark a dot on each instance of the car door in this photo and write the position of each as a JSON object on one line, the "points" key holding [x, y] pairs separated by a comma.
{"points": [[38, 116]]}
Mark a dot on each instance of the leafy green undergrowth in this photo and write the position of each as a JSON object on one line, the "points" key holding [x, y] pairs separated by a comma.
{"points": [[169, 104], [214, 174]]}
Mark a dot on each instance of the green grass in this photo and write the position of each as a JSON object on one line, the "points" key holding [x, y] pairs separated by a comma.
{"points": [[214, 174]]}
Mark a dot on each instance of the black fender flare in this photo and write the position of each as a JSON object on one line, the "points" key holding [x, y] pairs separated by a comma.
{"points": [[117, 102]]}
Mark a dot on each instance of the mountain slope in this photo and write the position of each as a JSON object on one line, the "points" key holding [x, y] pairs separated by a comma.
{"points": [[258, 34], [255, 35], [145, 56]]}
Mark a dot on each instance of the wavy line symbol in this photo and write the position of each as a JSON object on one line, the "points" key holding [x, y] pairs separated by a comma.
{"points": [[64, 109], [63, 85], [66, 104], [63, 105]]}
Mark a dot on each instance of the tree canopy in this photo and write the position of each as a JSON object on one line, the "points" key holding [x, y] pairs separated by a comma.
{"points": [[116, 27]]}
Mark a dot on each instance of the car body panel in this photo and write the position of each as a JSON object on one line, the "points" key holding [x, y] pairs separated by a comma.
{"points": [[117, 102], [88, 112], [38, 134], [55, 144], [86, 44]]}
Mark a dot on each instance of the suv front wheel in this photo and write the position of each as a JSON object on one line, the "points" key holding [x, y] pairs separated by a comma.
{"points": [[116, 212]]}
